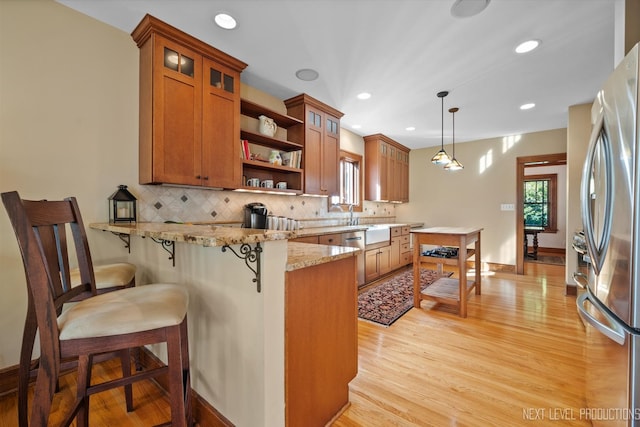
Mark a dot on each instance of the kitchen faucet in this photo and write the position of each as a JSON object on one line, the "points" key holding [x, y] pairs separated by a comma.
{"points": [[352, 220]]}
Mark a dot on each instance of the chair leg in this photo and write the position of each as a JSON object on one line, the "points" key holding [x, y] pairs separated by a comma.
{"points": [[176, 380], [24, 369], [44, 390], [84, 380], [125, 361], [186, 376]]}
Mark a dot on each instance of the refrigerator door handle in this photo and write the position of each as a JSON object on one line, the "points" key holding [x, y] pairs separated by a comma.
{"points": [[599, 148], [613, 331]]}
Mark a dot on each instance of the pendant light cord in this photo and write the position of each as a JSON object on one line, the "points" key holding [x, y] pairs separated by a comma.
{"points": [[442, 124], [453, 134]]}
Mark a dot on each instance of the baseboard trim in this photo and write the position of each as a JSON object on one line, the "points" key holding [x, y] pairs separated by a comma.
{"points": [[495, 267], [203, 412], [559, 251], [8, 380]]}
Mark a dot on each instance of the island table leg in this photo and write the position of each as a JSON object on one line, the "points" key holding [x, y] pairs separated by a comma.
{"points": [[416, 271]]}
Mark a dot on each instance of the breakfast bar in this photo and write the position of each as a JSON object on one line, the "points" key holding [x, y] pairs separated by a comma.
{"points": [[253, 352], [449, 291]]}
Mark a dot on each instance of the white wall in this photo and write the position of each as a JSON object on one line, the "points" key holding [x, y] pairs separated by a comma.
{"points": [[578, 133], [472, 196], [68, 127]]}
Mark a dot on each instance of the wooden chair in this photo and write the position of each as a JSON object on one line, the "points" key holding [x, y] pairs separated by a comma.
{"points": [[106, 323], [108, 277]]}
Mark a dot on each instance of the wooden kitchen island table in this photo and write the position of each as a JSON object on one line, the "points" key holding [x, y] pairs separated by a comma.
{"points": [[446, 290]]}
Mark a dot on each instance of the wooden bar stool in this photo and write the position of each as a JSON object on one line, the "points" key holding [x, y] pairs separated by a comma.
{"points": [[111, 322], [109, 277]]}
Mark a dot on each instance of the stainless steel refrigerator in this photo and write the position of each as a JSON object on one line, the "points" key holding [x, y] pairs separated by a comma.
{"points": [[610, 304]]}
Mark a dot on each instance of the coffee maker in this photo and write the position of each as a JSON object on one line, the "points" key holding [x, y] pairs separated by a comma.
{"points": [[255, 216]]}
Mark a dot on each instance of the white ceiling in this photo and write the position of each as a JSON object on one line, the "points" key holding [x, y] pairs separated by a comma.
{"points": [[403, 52]]}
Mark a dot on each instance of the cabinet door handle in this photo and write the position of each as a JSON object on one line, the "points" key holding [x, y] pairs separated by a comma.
{"points": [[197, 176], [206, 178]]}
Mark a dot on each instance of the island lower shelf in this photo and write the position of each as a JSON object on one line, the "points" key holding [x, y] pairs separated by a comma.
{"points": [[447, 290]]}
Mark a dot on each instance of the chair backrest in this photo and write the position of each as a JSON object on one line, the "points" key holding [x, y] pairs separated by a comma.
{"points": [[41, 230]]}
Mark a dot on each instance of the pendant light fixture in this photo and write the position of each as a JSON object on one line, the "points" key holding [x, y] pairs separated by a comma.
{"points": [[441, 157], [454, 164]]}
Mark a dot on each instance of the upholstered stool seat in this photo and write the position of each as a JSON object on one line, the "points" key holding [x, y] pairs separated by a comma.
{"points": [[126, 311], [119, 274]]}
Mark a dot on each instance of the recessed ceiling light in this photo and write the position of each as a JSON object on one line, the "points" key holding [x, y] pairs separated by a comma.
{"points": [[527, 46], [307, 74], [226, 21], [356, 127], [364, 95], [467, 8], [527, 106], [410, 128]]}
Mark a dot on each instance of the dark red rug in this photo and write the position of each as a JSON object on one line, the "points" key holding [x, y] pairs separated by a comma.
{"points": [[387, 301]]}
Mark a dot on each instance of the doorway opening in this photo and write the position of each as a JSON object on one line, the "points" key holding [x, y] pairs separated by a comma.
{"points": [[540, 219]]}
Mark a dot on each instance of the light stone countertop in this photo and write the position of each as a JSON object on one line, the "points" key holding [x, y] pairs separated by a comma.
{"points": [[318, 231], [204, 235], [301, 255]]}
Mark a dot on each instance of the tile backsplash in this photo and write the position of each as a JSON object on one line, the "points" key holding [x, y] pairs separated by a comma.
{"points": [[166, 203]]}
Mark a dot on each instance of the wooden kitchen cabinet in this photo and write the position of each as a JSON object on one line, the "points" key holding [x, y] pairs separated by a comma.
{"points": [[189, 109], [319, 134], [394, 257], [305, 239], [371, 269], [406, 255], [321, 341], [386, 169], [401, 254], [377, 263], [334, 239]]}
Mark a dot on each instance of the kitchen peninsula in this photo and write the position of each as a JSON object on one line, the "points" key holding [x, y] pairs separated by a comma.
{"points": [[252, 353]]}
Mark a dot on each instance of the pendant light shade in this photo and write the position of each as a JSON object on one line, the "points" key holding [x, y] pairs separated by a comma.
{"points": [[441, 157], [454, 164]]}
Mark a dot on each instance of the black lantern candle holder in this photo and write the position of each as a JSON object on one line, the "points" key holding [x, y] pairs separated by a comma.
{"points": [[122, 206]]}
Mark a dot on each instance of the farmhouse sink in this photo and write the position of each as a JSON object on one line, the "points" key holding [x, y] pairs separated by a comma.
{"points": [[377, 234]]}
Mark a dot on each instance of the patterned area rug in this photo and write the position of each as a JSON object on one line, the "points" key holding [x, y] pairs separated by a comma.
{"points": [[387, 301]]}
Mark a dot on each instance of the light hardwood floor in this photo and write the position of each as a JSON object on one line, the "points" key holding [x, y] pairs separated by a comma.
{"points": [[517, 359]]}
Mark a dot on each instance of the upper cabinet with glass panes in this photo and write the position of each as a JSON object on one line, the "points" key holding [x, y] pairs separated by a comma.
{"points": [[189, 109]]}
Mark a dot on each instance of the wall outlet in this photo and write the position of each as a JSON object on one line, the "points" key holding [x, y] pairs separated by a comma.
{"points": [[507, 207]]}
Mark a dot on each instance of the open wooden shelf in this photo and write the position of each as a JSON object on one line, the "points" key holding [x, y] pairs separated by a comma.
{"points": [[251, 109], [280, 144], [256, 164]]}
